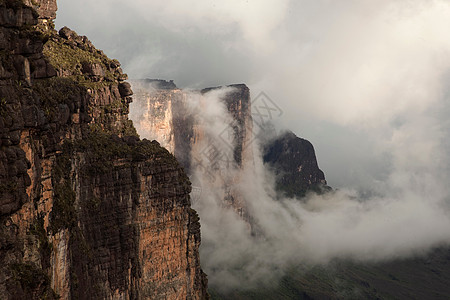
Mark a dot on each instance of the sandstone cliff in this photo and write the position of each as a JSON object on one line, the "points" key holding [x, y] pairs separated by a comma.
{"points": [[88, 211], [164, 112], [176, 118]]}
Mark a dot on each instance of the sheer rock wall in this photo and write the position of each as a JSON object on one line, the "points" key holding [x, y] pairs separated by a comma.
{"points": [[166, 113], [87, 209]]}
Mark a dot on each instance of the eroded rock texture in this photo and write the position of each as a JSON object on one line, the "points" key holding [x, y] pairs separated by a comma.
{"points": [[88, 210]]}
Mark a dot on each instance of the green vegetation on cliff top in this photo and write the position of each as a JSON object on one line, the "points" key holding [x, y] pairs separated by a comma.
{"points": [[69, 59]]}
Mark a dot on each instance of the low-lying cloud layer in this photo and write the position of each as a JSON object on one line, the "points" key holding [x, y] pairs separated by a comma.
{"points": [[406, 215]]}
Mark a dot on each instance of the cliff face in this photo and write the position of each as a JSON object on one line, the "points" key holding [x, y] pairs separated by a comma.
{"points": [[88, 211], [167, 114], [162, 116], [294, 163]]}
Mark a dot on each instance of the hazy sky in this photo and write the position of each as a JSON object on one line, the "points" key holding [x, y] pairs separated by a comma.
{"points": [[365, 81]]}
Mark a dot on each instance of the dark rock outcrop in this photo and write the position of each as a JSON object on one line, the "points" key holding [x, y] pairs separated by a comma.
{"points": [[125, 89], [87, 210], [294, 163]]}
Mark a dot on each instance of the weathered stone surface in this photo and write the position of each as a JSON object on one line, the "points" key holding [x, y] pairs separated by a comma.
{"points": [[67, 34], [144, 231], [4, 74], [47, 9], [93, 69], [88, 211], [27, 46], [15, 14], [122, 77], [42, 69], [125, 89]]}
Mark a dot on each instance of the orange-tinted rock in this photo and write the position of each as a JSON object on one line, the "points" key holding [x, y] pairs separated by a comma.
{"points": [[87, 211], [165, 114]]}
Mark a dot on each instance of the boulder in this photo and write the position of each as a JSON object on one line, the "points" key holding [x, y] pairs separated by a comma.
{"points": [[67, 33], [125, 89], [92, 69]]}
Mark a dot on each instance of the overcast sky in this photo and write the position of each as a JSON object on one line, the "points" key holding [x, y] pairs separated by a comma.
{"points": [[367, 82]]}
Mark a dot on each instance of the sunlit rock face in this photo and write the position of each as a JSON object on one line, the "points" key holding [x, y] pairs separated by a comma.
{"points": [[161, 110], [209, 132], [88, 210]]}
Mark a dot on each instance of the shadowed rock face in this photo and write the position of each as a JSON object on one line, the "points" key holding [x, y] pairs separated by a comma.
{"points": [[294, 163], [88, 210]]}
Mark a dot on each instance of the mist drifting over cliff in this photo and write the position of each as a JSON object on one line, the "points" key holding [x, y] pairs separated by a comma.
{"points": [[408, 218], [366, 82], [349, 75]]}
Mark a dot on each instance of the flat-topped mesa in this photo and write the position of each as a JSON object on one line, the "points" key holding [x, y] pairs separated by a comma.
{"points": [[45, 8], [159, 84], [153, 111]]}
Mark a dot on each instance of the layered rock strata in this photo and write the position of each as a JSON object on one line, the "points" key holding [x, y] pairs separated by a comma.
{"points": [[88, 210]]}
